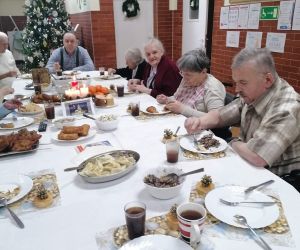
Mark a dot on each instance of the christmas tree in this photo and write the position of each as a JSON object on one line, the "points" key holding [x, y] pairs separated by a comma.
{"points": [[47, 21]]}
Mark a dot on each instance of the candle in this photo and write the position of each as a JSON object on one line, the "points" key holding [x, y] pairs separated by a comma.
{"points": [[84, 91], [74, 83], [72, 93]]}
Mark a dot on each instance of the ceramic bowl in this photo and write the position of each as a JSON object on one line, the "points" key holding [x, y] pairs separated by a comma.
{"points": [[164, 193], [107, 122]]}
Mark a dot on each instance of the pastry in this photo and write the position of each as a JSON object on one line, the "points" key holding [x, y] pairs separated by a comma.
{"points": [[43, 199], [109, 100], [67, 137], [171, 219], [151, 109], [205, 185]]}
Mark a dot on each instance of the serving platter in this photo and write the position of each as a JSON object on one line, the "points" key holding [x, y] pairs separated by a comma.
{"points": [[111, 77], [105, 178], [34, 148], [19, 123], [92, 132]]}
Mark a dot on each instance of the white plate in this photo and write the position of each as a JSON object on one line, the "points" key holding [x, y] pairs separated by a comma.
{"points": [[30, 113], [26, 76], [155, 242], [71, 72], [9, 182], [159, 108], [187, 143], [108, 77], [257, 216], [19, 123], [91, 133], [106, 107]]}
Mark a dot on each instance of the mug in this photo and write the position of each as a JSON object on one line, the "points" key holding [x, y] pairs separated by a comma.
{"points": [[191, 217]]}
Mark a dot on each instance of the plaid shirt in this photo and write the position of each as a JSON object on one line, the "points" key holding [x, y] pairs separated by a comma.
{"points": [[270, 126]]}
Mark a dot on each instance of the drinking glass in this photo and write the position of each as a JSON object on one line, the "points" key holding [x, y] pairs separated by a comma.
{"points": [[49, 110], [172, 150], [135, 108], [101, 71], [120, 90]]}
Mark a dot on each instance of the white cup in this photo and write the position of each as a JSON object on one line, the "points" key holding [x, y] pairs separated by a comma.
{"points": [[191, 218]]}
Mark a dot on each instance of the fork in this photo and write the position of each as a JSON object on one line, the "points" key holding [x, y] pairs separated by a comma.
{"points": [[236, 203], [195, 142]]}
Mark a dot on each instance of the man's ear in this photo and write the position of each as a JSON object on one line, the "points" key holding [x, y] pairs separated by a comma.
{"points": [[269, 80]]}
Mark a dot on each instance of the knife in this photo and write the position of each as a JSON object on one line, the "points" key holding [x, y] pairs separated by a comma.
{"points": [[250, 189]]}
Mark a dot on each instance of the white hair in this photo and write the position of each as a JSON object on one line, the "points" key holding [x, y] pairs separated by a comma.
{"points": [[134, 55], [3, 37], [157, 43]]}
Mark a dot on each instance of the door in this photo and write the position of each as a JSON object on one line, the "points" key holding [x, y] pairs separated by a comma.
{"points": [[194, 25], [132, 32]]}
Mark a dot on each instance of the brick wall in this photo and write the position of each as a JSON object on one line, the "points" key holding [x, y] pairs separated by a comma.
{"points": [[165, 31], [287, 63]]}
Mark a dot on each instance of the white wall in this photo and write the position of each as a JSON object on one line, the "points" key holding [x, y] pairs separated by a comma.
{"points": [[132, 32], [12, 7], [194, 31]]}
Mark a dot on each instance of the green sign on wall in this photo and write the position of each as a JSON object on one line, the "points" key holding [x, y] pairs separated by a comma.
{"points": [[269, 12]]}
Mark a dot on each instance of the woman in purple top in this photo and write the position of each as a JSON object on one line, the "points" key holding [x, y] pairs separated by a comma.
{"points": [[161, 75]]}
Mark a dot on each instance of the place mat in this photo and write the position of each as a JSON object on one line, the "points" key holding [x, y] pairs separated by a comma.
{"points": [[46, 177], [278, 233], [114, 238], [144, 117]]}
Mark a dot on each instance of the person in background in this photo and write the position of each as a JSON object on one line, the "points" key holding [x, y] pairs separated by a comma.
{"points": [[161, 75], [8, 68], [268, 111], [198, 92], [135, 65], [8, 106], [70, 56]]}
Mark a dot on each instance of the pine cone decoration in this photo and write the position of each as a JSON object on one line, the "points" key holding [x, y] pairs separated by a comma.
{"points": [[206, 180], [42, 193], [173, 210], [168, 134]]}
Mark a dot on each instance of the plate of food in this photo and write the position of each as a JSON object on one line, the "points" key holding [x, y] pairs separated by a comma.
{"points": [[21, 97], [30, 109], [71, 72], [108, 77], [74, 133], [154, 109], [207, 143], [156, 241], [257, 216], [108, 166], [23, 141], [15, 123], [14, 187]]}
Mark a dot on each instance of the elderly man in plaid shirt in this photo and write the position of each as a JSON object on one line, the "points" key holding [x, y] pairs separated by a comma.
{"points": [[268, 111]]}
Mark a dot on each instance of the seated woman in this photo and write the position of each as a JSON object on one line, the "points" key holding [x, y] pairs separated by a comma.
{"points": [[8, 106], [161, 75], [199, 92], [135, 65]]}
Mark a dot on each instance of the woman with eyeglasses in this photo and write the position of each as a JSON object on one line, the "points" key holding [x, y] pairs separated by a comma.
{"points": [[199, 92], [161, 75]]}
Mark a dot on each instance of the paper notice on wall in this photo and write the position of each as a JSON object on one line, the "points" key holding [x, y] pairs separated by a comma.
{"points": [[224, 18], [253, 17], [276, 41], [285, 15], [253, 40], [79, 6], [296, 19], [233, 39], [243, 16], [233, 17]]}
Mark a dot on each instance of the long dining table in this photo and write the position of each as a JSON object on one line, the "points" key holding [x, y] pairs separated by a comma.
{"points": [[87, 209]]}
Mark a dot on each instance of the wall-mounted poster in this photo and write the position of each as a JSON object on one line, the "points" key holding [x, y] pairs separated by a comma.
{"points": [[233, 17], [296, 18], [224, 17], [276, 41], [243, 16], [253, 17], [253, 40], [285, 15], [78, 6], [232, 39]]}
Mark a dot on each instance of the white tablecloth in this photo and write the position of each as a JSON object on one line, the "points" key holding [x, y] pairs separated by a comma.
{"points": [[87, 209]]}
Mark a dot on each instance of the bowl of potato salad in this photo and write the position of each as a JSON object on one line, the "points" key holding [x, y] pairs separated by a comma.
{"points": [[107, 122], [108, 166]]}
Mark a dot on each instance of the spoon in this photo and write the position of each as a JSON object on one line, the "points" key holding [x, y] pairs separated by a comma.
{"points": [[177, 131], [87, 116], [176, 176], [242, 220], [3, 201]]}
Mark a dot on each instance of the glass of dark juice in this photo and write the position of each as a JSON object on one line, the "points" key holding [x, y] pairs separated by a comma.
{"points": [[49, 110], [120, 90], [135, 108], [172, 150], [135, 214], [37, 88]]}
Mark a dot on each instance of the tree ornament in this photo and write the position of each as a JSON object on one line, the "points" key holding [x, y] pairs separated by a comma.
{"points": [[130, 8]]}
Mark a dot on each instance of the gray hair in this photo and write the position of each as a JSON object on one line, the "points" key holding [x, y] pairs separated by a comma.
{"points": [[194, 60], [135, 55], [157, 43], [3, 37], [261, 58]]}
